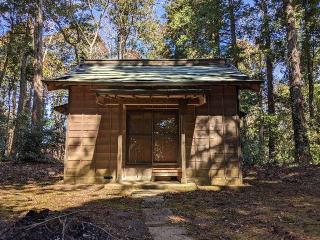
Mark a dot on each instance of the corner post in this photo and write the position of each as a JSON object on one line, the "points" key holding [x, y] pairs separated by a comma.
{"points": [[183, 108], [120, 144]]}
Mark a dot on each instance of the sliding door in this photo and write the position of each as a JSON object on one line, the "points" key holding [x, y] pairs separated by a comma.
{"points": [[165, 137], [152, 137], [139, 137]]}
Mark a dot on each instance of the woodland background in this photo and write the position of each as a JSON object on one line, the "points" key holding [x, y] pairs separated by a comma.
{"points": [[277, 41]]}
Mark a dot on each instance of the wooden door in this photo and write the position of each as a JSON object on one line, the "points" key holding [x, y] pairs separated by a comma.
{"points": [[139, 137], [152, 137], [165, 137]]}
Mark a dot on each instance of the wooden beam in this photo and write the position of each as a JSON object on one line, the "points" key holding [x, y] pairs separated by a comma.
{"points": [[120, 145], [101, 100], [66, 148], [124, 136], [144, 91], [183, 159], [242, 84], [55, 86], [183, 107], [63, 109], [202, 100]]}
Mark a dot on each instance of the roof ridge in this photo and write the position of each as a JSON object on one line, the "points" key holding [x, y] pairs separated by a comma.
{"points": [[156, 62]]}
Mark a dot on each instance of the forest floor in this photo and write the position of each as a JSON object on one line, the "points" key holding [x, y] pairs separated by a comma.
{"points": [[279, 203]]}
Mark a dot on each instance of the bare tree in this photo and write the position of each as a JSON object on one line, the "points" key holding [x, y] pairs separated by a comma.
{"points": [[97, 21]]}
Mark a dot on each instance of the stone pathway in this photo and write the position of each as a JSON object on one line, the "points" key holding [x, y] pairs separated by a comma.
{"points": [[157, 217]]}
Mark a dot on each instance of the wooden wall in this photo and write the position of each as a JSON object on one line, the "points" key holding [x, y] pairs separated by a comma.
{"points": [[92, 133], [212, 140]]}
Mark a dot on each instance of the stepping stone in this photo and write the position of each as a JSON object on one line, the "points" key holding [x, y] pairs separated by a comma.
{"points": [[146, 193], [153, 202], [169, 232], [156, 217]]}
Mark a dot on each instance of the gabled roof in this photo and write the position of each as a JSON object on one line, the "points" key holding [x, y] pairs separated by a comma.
{"points": [[183, 72]]}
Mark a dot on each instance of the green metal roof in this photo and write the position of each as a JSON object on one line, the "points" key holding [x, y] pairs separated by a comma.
{"points": [[141, 72]]}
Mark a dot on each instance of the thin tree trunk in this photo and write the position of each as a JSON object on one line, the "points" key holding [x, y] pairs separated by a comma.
{"points": [[302, 149], [216, 42], [22, 102], [261, 130], [76, 53], [6, 61], [121, 46], [307, 56], [37, 108], [13, 117], [234, 47], [7, 137], [269, 69]]}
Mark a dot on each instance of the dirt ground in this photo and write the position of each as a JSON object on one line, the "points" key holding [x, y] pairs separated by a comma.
{"points": [[34, 193], [280, 203], [274, 204]]}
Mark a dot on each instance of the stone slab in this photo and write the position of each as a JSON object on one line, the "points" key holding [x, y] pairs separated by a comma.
{"points": [[153, 202], [156, 217], [168, 233]]}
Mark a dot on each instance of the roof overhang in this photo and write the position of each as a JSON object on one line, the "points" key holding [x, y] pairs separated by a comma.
{"points": [[250, 85], [171, 73]]}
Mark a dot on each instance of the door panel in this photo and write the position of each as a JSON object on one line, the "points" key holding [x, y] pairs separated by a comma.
{"points": [[139, 140], [165, 135], [139, 149], [165, 150], [152, 137], [140, 123]]}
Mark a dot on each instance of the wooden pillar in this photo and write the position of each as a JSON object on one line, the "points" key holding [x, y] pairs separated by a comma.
{"points": [[120, 144], [183, 108]]}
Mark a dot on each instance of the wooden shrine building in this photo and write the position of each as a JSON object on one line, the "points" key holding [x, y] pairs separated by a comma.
{"points": [[132, 120]]}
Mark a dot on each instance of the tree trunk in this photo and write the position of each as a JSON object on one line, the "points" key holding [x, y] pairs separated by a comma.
{"points": [[216, 42], [307, 55], [121, 45], [11, 119], [302, 149], [8, 118], [6, 61], [37, 108], [234, 47], [269, 70], [22, 103], [261, 129]]}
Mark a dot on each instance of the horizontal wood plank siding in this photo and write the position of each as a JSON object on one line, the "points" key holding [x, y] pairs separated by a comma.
{"points": [[92, 138], [213, 139]]}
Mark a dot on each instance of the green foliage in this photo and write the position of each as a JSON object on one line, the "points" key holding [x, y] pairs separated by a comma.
{"points": [[314, 129], [193, 28], [137, 32], [38, 144], [281, 123]]}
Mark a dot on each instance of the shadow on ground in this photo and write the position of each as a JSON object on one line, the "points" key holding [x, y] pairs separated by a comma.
{"points": [[16, 173], [279, 204]]}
